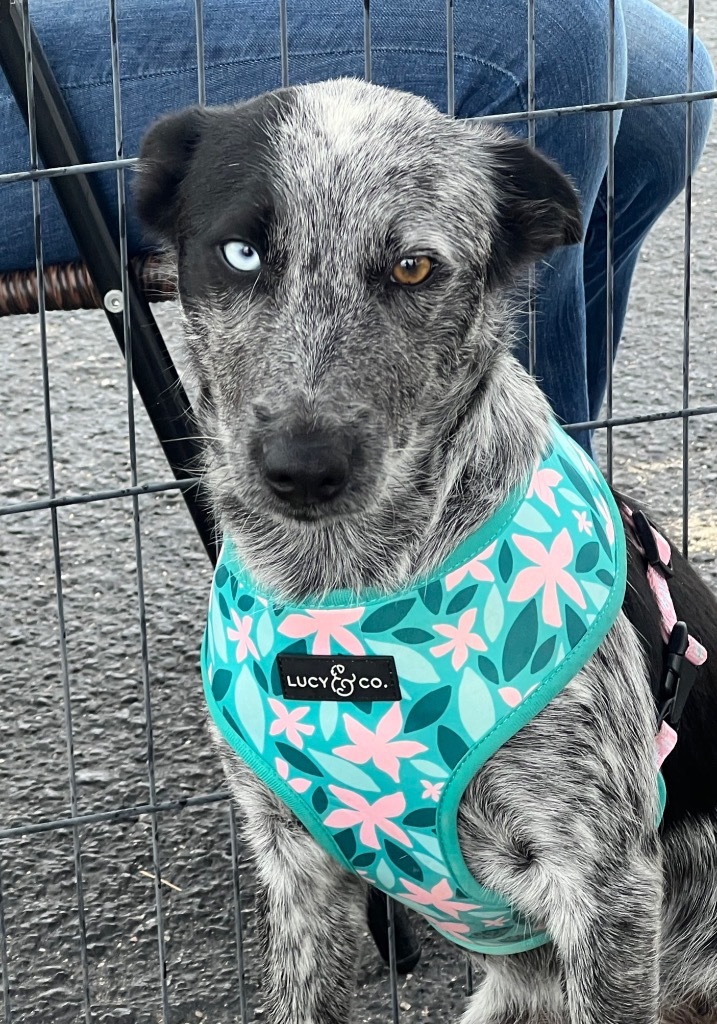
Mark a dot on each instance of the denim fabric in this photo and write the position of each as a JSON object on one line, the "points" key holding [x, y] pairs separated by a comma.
{"points": [[158, 58]]}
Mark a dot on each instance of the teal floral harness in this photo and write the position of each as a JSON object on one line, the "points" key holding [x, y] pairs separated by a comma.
{"points": [[369, 715]]}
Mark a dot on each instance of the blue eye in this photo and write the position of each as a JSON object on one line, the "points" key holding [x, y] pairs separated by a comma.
{"points": [[241, 256]]}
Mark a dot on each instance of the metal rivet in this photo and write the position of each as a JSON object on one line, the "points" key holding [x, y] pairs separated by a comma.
{"points": [[113, 301]]}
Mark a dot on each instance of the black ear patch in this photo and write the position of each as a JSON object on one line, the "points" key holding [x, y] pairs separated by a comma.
{"points": [[165, 155], [538, 208]]}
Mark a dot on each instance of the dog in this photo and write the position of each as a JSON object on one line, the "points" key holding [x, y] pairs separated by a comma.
{"points": [[345, 260]]}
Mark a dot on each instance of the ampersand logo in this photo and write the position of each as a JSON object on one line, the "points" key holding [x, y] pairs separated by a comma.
{"points": [[342, 686]]}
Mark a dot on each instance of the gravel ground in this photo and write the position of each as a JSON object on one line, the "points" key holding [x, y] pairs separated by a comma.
{"points": [[109, 714]]}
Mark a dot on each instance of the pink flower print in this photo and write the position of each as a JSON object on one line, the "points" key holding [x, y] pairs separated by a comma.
{"points": [[512, 696], [548, 572], [456, 928], [494, 922], [431, 790], [461, 638], [606, 518], [377, 746], [440, 897], [325, 625], [583, 525], [245, 644], [475, 568], [541, 485], [359, 811], [300, 785], [289, 722]]}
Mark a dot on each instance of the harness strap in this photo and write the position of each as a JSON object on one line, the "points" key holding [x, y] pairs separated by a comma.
{"points": [[684, 653]]}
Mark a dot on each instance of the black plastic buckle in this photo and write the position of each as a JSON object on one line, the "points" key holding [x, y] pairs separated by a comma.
{"points": [[646, 537], [678, 680]]}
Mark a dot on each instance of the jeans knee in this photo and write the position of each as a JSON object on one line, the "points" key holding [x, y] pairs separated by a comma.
{"points": [[652, 142], [672, 139], [572, 68], [573, 53]]}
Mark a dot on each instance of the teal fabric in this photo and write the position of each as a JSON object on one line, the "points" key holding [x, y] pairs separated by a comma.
{"points": [[480, 648]]}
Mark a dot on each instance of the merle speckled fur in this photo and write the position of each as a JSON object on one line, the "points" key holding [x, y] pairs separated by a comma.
{"points": [[332, 184]]}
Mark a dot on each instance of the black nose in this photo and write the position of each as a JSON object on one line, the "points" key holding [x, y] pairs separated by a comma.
{"points": [[306, 469]]}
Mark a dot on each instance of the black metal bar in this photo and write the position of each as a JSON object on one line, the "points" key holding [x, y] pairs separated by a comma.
{"points": [[71, 170], [284, 42], [28, 68], [367, 55], [59, 145], [130, 350], [407, 950], [392, 967], [587, 108], [201, 70], [39, 504], [121, 814], [531, 291], [4, 965], [687, 285], [238, 926], [610, 238], [64, 170], [450, 60], [653, 417]]}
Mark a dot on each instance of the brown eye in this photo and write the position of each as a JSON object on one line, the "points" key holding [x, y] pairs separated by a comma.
{"points": [[412, 270]]}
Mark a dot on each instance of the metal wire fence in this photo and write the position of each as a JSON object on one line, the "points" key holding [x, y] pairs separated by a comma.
{"points": [[77, 818]]}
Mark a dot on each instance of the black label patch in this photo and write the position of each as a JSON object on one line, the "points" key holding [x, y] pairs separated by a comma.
{"points": [[318, 677]]}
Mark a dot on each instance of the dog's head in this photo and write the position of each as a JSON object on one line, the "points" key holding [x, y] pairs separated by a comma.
{"points": [[339, 249]]}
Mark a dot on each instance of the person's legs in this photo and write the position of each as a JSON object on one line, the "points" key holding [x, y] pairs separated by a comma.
{"points": [[649, 168], [409, 51], [157, 44], [571, 69]]}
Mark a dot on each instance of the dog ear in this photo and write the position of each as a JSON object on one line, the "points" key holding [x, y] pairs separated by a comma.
{"points": [[538, 208], [164, 158]]}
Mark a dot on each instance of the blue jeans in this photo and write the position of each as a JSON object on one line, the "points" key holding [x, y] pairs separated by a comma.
{"points": [[242, 59]]}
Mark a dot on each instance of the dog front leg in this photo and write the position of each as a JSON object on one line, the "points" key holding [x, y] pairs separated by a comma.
{"points": [[309, 929], [310, 916], [603, 964], [608, 943]]}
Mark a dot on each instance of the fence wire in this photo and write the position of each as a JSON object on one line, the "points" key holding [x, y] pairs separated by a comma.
{"points": [[57, 559], [155, 807]]}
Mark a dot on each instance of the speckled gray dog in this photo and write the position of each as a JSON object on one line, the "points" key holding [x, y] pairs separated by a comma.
{"points": [[342, 253]]}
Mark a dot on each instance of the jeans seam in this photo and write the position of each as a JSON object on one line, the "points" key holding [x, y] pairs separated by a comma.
{"points": [[424, 51]]}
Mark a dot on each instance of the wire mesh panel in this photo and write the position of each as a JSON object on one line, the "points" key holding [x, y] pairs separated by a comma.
{"points": [[125, 892]]}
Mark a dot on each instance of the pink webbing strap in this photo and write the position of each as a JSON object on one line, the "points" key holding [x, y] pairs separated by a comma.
{"points": [[665, 741], [695, 653]]}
